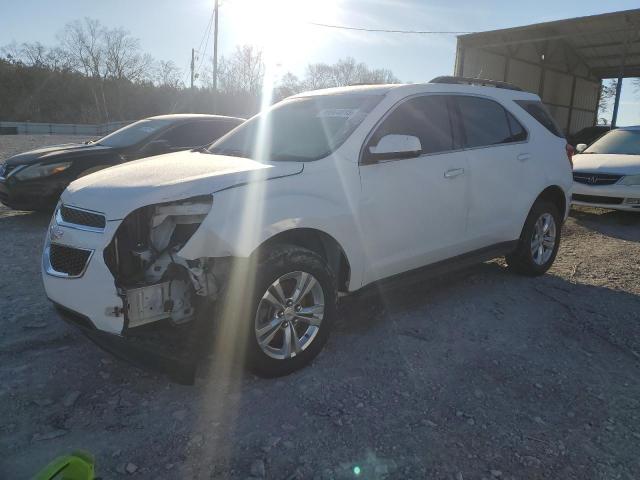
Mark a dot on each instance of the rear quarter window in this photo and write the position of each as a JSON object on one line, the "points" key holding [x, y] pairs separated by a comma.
{"points": [[538, 111], [486, 122]]}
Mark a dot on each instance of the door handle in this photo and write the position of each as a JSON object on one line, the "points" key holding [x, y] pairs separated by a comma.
{"points": [[524, 156], [454, 172]]}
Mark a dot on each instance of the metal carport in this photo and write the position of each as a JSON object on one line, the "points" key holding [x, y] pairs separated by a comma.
{"points": [[563, 61]]}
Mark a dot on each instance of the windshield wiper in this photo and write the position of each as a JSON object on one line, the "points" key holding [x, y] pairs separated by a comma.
{"points": [[229, 153]]}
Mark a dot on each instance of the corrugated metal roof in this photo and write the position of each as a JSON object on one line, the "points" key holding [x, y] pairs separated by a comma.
{"points": [[601, 43]]}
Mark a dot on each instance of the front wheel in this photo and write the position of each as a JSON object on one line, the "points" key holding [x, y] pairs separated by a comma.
{"points": [[539, 241], [294, 306]]}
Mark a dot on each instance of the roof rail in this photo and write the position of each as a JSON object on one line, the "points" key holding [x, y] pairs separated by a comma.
{"points": [[476, 81]]}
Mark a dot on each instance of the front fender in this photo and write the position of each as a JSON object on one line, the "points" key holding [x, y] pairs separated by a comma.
{"points": [[242, 219]]}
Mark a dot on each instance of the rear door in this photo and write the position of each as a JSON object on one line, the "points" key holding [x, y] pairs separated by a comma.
{"points": [[414, 210], [501, 164]]}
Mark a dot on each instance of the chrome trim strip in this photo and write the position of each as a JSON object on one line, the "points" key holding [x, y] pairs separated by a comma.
{"points": [[48, 268], [60, 221]]}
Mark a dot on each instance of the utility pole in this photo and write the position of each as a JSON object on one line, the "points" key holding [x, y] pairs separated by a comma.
{"points": [[215, 56], [193, 65]]}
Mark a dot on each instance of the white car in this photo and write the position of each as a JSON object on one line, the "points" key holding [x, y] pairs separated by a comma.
{"points": [[607, 173], [325, 193]]}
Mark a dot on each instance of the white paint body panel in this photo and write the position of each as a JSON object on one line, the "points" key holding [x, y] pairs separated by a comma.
{"points": [[388, 217], [119, 190], [93, 293]]}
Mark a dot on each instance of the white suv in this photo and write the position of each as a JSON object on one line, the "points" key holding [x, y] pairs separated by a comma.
{"points": [[323, 194]]}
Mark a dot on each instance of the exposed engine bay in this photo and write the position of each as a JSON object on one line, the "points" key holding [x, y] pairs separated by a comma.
{"points": [[154, 282]]}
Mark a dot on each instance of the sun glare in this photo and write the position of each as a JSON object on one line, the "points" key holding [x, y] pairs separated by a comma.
{"points": [[280, 28]]}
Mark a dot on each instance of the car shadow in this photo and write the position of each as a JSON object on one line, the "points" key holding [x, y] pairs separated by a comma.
{"points": [[612, 223], [444, 359]]}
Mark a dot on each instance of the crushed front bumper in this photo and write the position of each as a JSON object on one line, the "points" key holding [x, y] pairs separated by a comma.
{"points": [[89, 300], [148, 355]]}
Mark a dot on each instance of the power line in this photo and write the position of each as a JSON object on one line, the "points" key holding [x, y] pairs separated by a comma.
{"points": [[383, 30], [203, 53], [207, 30]]}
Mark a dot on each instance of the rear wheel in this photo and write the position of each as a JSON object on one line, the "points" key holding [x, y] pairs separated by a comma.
{"points": [[539, 241], [294, 306]]}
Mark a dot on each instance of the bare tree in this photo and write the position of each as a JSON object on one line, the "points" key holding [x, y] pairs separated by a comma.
{"points": [[319, 75], [167, 74], [242, 72], [607, 93], [83, 41], [123, 59], [288, 85], [345, 72], [34, 54], [12, 53], [378, 76]]}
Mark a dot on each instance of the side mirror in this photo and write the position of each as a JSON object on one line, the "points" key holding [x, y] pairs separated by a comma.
{"points": [[393, 147], [156, 147], [581, 147]]}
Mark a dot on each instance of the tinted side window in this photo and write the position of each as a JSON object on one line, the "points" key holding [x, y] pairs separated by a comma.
{"points": [[538, 111], [424, 117], [195, 134], [486, 122]]}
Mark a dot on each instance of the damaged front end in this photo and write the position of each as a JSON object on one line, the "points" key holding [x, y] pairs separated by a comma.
{"points": [[153, 280], [163, 294]]}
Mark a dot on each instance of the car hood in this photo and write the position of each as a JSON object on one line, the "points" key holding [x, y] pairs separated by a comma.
{"points": [[607, 163], [57, 153], [119, 190]]}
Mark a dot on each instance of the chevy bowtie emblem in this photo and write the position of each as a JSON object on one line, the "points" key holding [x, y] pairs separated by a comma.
{"points": [[55, 233]]}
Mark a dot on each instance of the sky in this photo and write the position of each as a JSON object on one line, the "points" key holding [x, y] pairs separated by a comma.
{"points": [[168, 29]]}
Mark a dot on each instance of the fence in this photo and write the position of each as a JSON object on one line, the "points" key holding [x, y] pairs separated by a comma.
{"points": [[29, 128]]}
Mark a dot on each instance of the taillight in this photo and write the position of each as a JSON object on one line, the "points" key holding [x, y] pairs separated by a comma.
{"points": [[570, 151]]}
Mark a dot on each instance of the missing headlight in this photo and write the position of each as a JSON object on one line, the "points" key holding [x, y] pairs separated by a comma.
{"points": [[154, 281]]}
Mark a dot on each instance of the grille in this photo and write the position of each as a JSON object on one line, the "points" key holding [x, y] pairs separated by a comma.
{"points": [[68, 260], [597, 199], [595, 178], [82, 217]]}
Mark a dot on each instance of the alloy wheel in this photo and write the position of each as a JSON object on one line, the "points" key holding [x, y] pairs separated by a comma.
{"points": [[289, 315], [544, 239]]}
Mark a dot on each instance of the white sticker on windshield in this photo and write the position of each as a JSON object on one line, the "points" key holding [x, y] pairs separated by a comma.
{"points": [[336, 113], [148, 129]]}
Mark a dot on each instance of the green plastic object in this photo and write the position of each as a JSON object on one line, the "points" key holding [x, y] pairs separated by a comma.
{"points": [[78, 465]]}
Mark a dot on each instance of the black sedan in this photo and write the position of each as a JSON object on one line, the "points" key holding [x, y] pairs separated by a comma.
{"points": [[34, 180]]}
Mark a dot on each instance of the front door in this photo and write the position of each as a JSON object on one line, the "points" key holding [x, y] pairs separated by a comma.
{"points": [[414, 210]]}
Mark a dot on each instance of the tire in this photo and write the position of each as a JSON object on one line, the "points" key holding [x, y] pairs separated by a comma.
{"points": [[528, 259], [290, 266]]}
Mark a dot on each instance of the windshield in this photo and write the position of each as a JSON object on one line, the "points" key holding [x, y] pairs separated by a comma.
{"points": [[134, 133], [621, 142], [298, 130]]}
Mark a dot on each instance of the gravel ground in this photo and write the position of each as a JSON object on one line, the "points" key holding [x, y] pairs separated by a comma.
{"points": [[482, 374]]}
